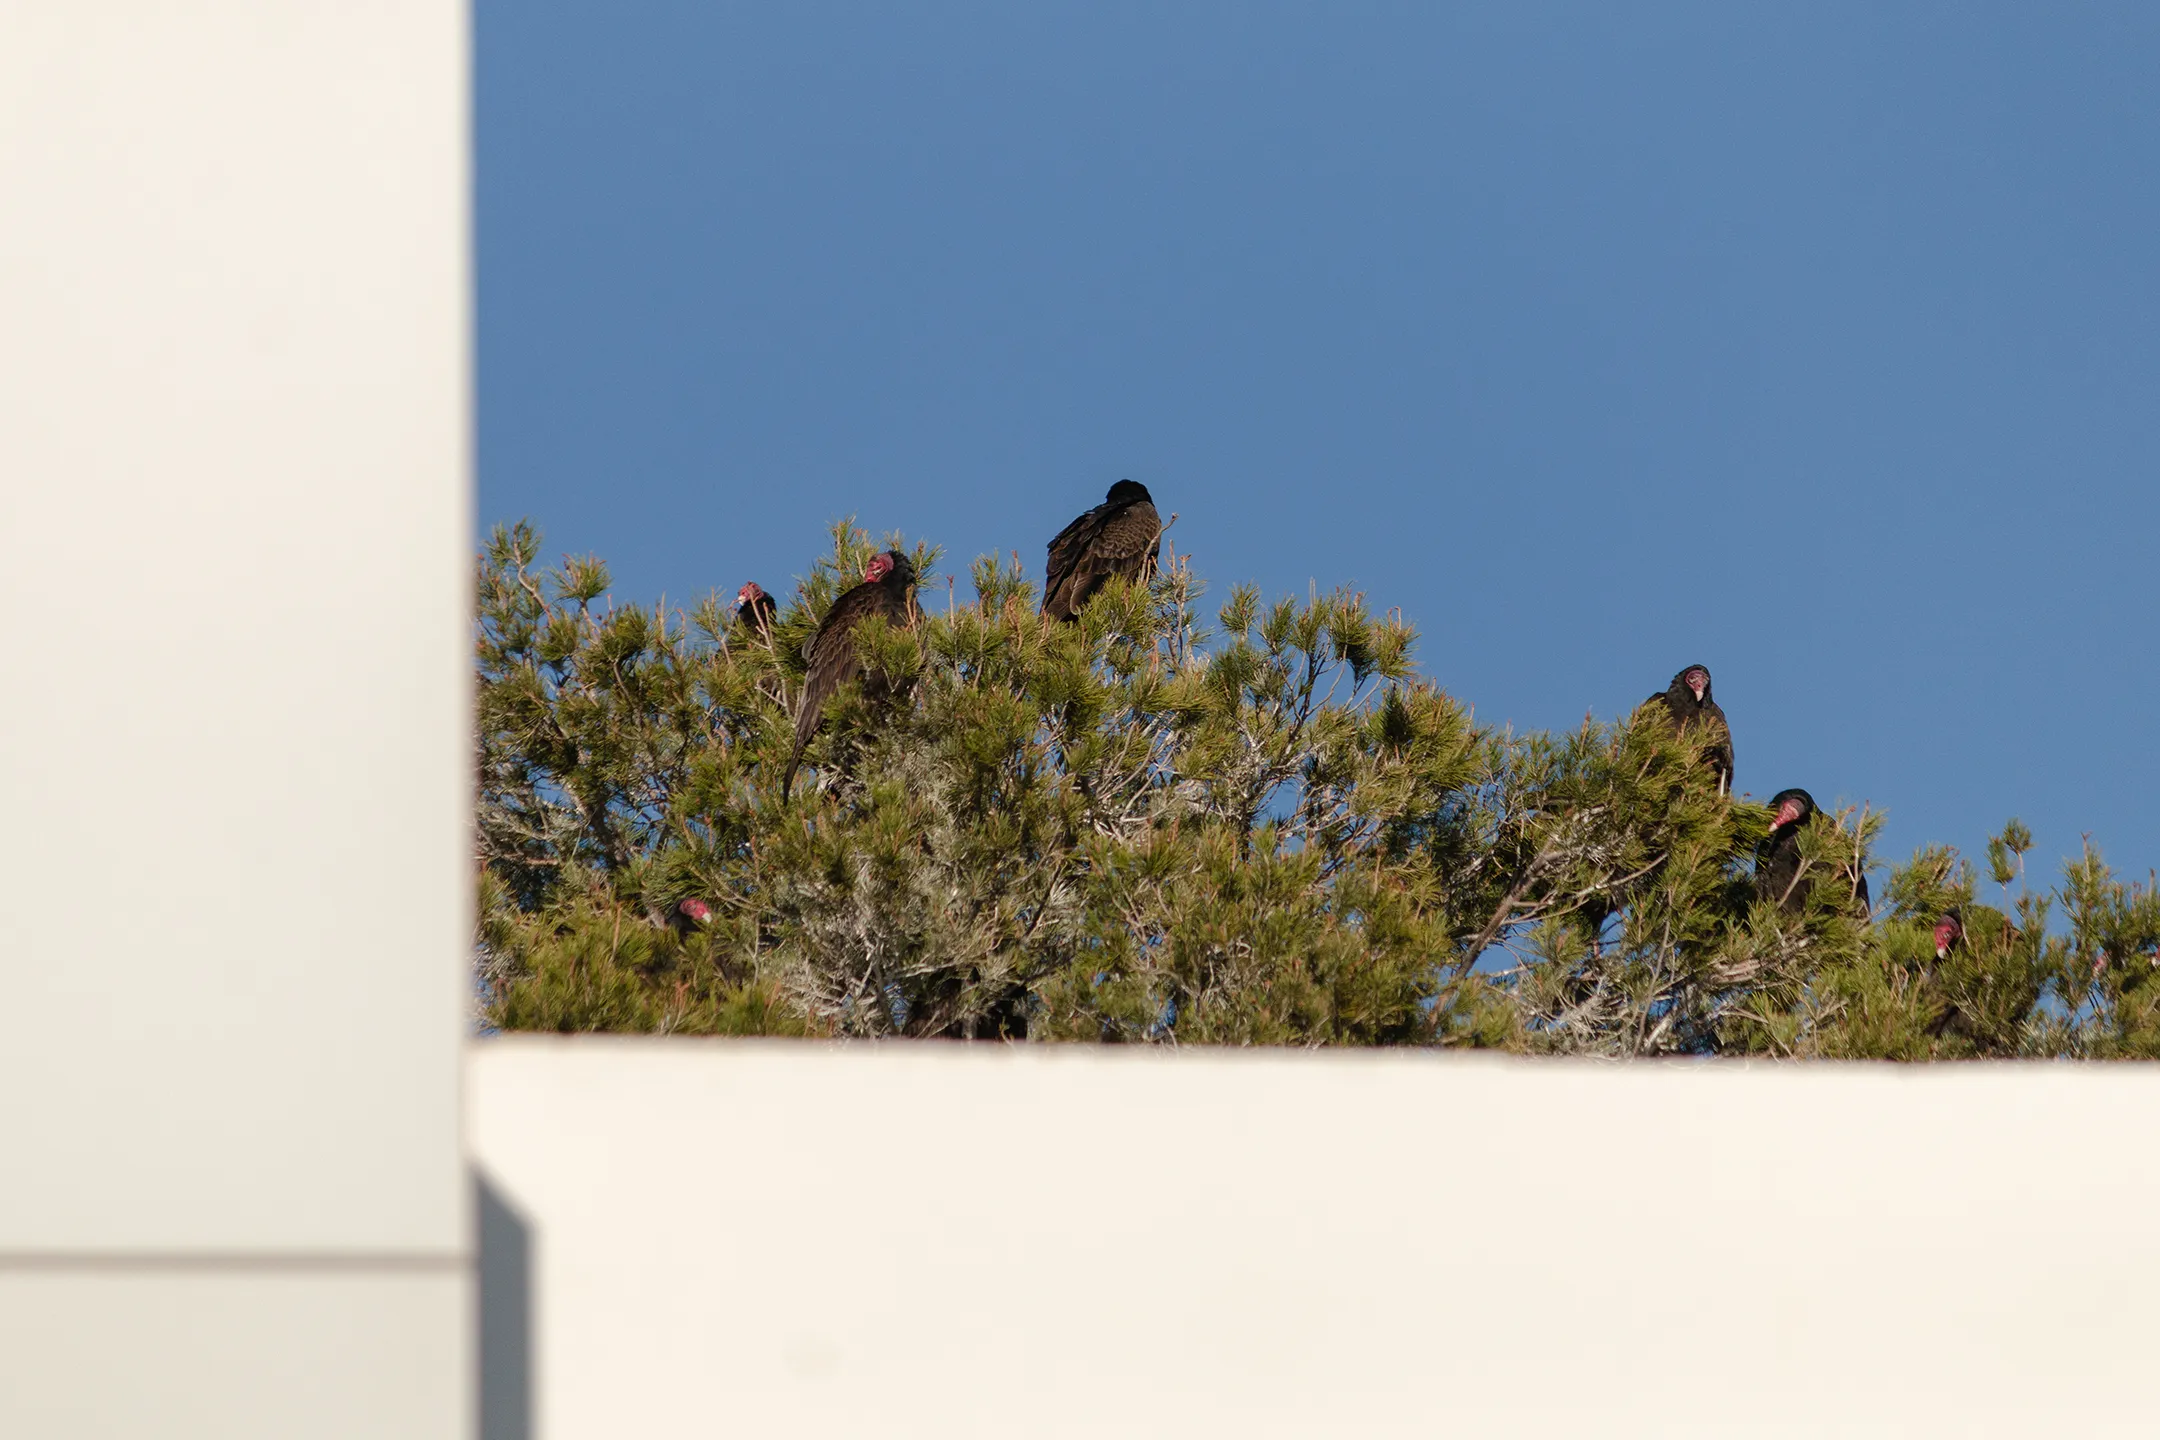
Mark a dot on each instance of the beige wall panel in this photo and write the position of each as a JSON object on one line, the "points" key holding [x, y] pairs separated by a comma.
{"points": [[234, 489], [768, 1239], [189, 1355]]}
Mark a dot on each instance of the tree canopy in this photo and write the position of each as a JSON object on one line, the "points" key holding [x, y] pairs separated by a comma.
{"points": [[1263, 827]]}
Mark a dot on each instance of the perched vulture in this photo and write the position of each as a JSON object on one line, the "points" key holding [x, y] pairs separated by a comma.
{"points": [[754, 609], [1688, 701], [1777, 864], [831, 652], [1122, 537], [688, 916], [1949, 932]]}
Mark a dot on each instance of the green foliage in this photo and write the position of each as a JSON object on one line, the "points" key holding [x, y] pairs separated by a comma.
{"points": [[1134, 828]]}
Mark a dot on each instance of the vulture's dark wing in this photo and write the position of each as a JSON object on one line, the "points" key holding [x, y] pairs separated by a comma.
{"points": [[1718, 746], [758, 613], [1778, 869], [1066, 550], [1122, 540], [831, 664]]}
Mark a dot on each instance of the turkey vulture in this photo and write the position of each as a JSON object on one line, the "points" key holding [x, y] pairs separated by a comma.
{"points": [[1777, 864], [1688, 701], [754, 609], [688, 915], [1122, 537], [831, 652], [1949, 931], [1949, 934]]}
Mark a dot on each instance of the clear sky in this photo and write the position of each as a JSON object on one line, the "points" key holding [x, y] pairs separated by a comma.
{"points": [[1819, 344]]}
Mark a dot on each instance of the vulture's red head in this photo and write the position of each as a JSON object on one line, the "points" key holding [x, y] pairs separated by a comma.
{"points": [[1791, 807], [750, 593], [891, 563], [1697, 679], [1948, 931], [695, 910]]}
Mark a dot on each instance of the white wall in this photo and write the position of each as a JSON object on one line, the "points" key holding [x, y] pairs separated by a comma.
{"points": [[792, 1240], [234, 489]]}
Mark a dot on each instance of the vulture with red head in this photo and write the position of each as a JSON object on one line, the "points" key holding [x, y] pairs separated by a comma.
{"points": [[1949, 935], [1949, 932], [1778, 863], [1687, 700], [754, 609], [831, 652], [1121, 537], [689, 916]]}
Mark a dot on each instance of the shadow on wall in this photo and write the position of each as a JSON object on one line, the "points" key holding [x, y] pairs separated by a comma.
{"points": [[506, 1328]]}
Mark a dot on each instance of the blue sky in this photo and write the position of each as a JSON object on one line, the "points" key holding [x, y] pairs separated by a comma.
{"points": [[1822, 347]]}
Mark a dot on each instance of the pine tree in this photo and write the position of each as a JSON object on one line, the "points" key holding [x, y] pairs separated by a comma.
{"points": [[1137, 828]]}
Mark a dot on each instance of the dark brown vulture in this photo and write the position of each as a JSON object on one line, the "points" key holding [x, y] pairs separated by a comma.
{"points": [[1949, 932], [1688, 701], [689, 916], [1121, 537], [1777, 864], [831, 652], [754, 609], [1949, 935]]}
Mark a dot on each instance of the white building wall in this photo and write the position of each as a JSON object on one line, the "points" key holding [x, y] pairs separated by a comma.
{"points": [[781, 1239], [235, 496]]}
